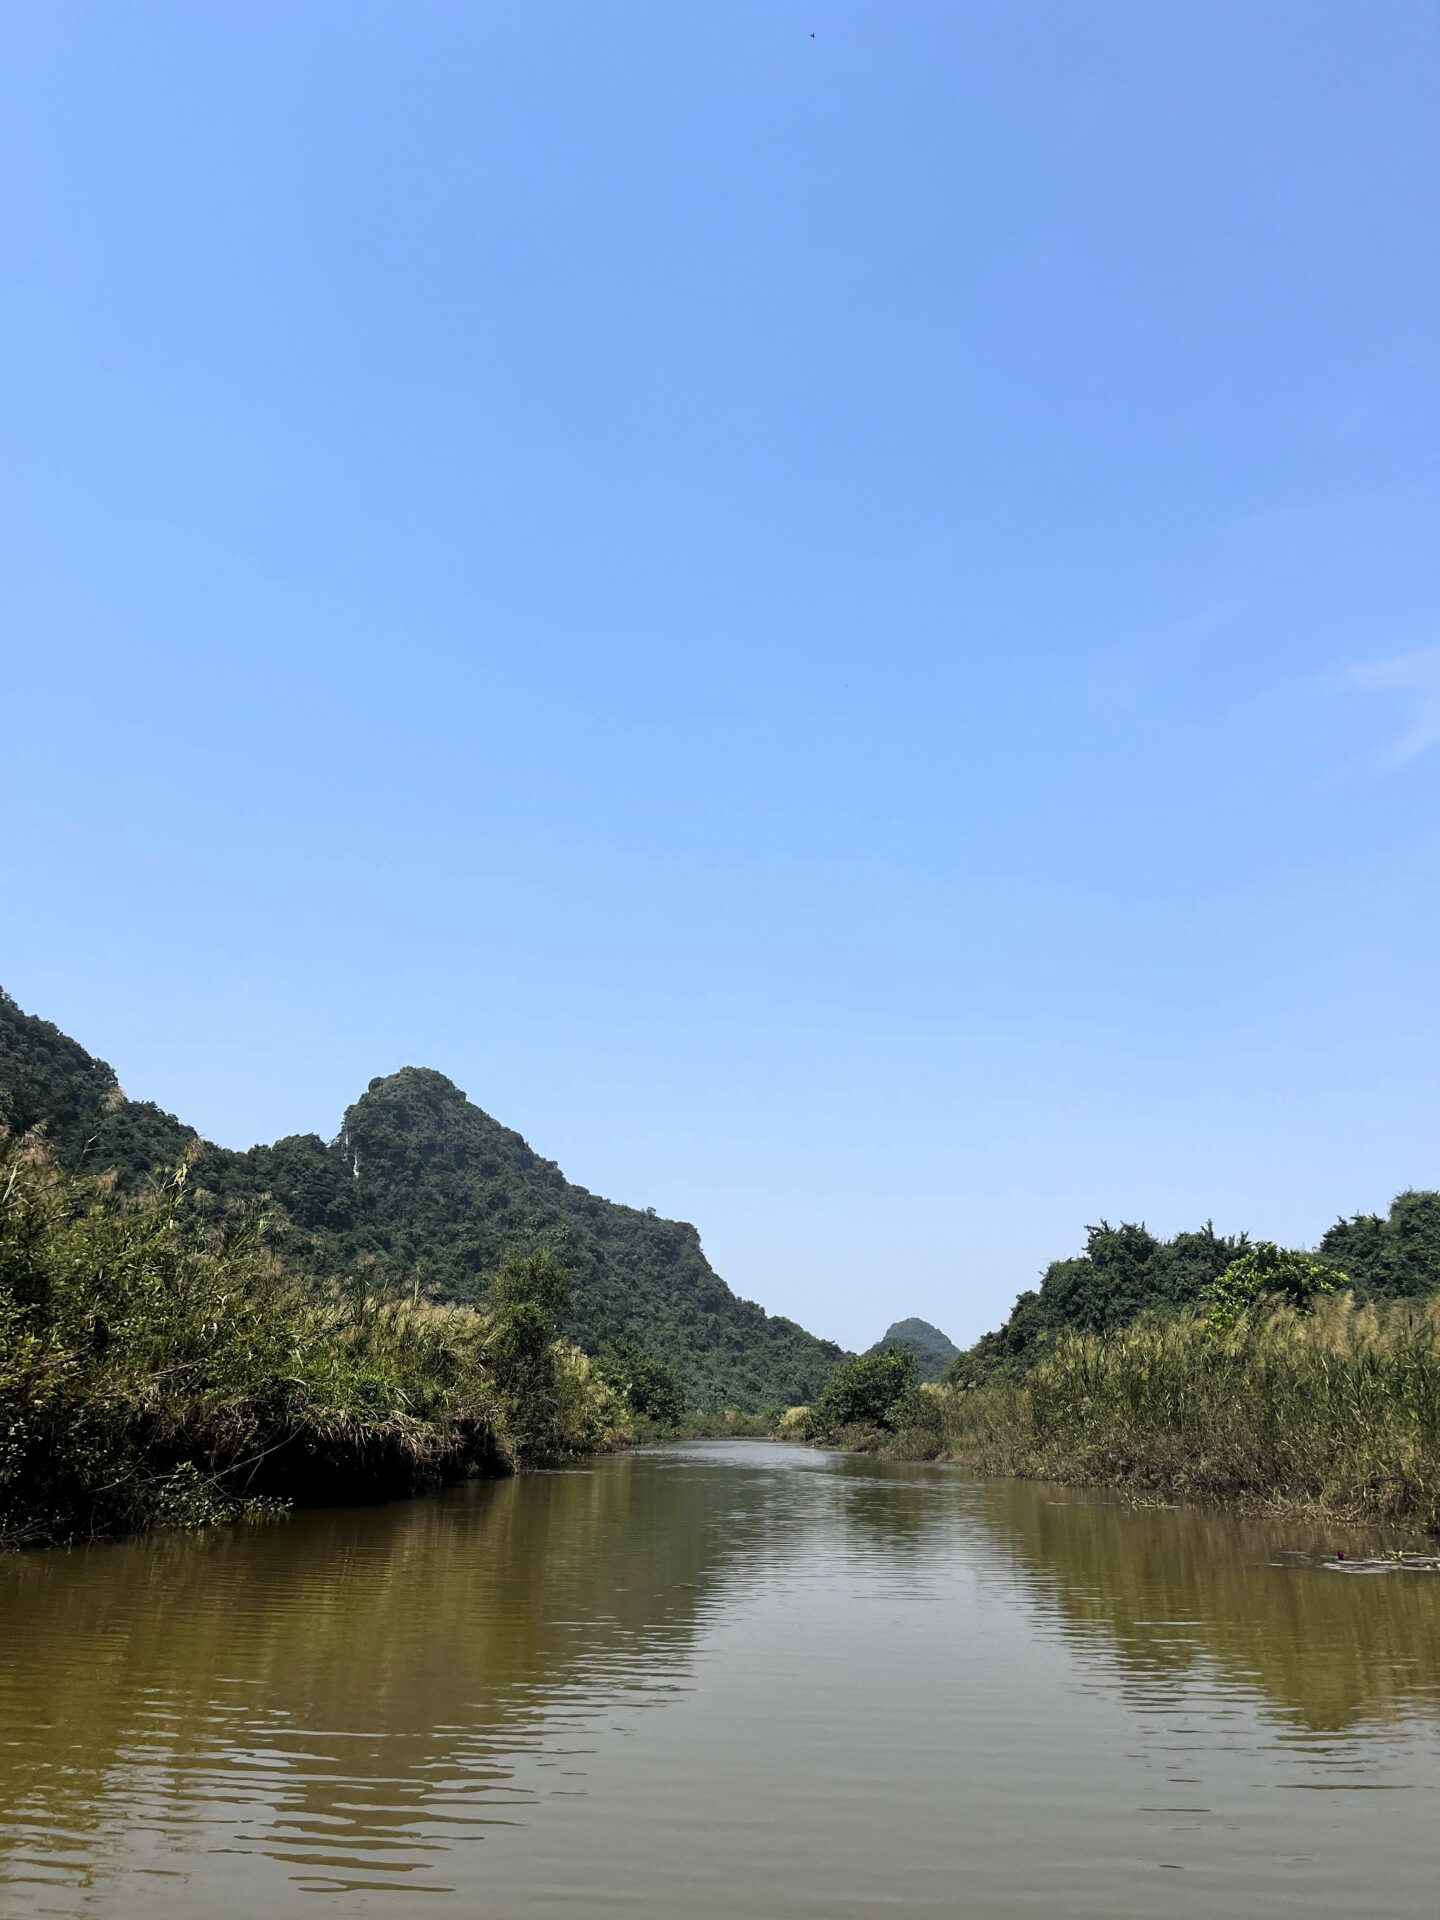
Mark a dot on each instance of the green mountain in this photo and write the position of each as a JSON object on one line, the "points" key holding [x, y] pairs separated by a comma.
{"points": [[933, 1350], [421, 1189]]}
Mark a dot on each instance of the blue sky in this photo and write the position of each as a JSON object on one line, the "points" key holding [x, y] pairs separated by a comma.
{"points": [[844, 630]]}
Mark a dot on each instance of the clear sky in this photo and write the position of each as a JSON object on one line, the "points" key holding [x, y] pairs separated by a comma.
{"points": [[835, 608]]}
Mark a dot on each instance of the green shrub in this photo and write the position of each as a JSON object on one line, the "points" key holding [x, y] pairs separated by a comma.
{"points": [[651, 1390], [918, 1421], [158, 1367], [1270, 1274], [525, 1305], [864, 1392]]}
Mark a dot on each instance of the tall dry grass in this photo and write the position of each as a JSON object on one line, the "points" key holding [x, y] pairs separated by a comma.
{"points": [[1336, 1410]]}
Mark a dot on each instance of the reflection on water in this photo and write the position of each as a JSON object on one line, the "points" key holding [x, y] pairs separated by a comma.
{"points": [[724, 1680], [1164, 1594]]}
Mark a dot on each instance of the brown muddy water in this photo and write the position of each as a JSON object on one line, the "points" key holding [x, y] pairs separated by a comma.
{"points": [[725, 1680]]}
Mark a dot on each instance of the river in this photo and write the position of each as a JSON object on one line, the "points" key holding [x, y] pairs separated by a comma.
{"points": [[727, 1679]]}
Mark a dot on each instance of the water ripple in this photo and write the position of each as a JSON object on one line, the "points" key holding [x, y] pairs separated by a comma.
{"points": [[724, 1680]]}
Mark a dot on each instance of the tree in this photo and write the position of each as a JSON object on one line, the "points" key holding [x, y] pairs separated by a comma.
{"points": [[865, 1392], [526, 1303], [1124, 1272], [652, 1390], [1395, 1256], [1266, 1272]]}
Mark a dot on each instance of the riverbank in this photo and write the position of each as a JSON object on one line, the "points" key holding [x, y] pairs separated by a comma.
{"points": [[1333, 1413], [159, 1368]]}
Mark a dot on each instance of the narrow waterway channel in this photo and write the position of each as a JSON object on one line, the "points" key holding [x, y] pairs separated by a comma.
{"points": [[728, 1680]]}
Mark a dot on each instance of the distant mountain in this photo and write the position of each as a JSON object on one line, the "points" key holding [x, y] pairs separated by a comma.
{"points": [[422, 1188], [932, 1349]]}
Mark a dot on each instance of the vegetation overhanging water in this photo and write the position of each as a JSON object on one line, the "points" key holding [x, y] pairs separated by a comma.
{"points": [[424, 1297]]}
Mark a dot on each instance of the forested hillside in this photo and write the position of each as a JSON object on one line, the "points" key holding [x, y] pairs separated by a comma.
{"points": [[426, 1193]]}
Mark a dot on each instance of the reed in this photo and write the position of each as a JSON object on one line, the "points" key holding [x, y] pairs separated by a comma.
{"points": [[1336, 1410], [159, 1368]]}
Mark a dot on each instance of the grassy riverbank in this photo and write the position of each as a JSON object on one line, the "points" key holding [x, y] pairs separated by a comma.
{"points": [[1335, 1411], [159, 1367]]}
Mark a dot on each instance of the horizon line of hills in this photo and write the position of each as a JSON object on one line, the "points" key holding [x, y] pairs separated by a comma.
{"points": [[422, 1190]]}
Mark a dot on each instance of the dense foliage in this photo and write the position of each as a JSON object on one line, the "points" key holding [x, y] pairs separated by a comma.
{"points": [[1394, 1256], [866, 1393], [423, 1192], [1126, 1272], [1171, 1369], [158, 1367], [1123, 1272], [547, 1394], [651, 1390], [933, 1351], [48, 1080], [1264, 1274], [1203, 1366]]}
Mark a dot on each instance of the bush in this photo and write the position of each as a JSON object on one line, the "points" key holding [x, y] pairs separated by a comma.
{"points": [[918, 1420], [159, 1368], [1271, 1274], [525, 1304], [864, 1392], [651, 1390]]}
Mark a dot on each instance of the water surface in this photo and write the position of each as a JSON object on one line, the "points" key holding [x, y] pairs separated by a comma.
{"points": [[728, 1680]]}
